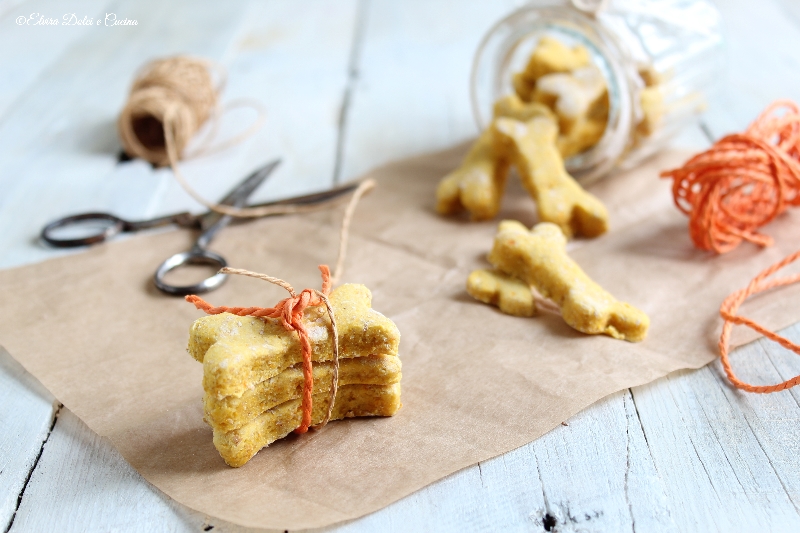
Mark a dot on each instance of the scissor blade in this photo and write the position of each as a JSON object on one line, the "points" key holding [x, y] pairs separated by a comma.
{"points": [[314, 198], [238, 196]]}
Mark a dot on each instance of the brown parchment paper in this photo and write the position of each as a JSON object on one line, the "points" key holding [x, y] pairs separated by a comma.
{"points": [[476, 383]]}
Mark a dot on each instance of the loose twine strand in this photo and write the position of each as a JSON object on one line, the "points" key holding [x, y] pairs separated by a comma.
{"points": [[741, 183], [169, 102], [728, 311], [291, 310]]}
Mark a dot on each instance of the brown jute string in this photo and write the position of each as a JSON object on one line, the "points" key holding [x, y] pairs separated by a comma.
{"points": [[169, 102], [290, 311]]}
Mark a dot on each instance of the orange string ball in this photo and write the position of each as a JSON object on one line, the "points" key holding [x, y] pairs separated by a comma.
{"points": [[742, 182]]}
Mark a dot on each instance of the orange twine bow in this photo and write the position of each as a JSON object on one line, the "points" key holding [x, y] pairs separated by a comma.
{"points": [[290, 311], [742, 182], [728, 312]]}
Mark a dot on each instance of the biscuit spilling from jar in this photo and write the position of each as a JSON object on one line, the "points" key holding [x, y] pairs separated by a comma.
{"points": [[580, 101], [531, 146], [477, 185], [253, 381], [651, 100], [550, 56], [558, 85], [539, 258]]}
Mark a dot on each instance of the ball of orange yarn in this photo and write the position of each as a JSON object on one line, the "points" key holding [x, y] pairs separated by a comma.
{"points": [[742, 182]]}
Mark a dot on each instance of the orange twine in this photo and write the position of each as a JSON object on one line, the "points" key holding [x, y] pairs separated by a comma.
{"points": [[728, 312], [742, 182], [290, 310]]}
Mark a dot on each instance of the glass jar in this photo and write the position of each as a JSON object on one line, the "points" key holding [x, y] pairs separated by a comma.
{"points": [[673, 45]]}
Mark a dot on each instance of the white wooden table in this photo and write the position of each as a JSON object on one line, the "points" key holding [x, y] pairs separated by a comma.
{"points": [[349, 85]]}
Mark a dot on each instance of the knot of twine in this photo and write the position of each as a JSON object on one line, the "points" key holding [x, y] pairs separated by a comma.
{"points": [[290, 312], [742, 182], [728, 311]]}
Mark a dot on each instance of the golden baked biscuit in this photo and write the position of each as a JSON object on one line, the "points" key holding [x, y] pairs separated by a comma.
{"points": [[539, 258], [580, 101], [477, 185], [239, 445], [252, 373], [549, 56], [585, 133], [512, 106], [571, 94], [652, 102], [531, 146], [512, 295], [232, 412]]}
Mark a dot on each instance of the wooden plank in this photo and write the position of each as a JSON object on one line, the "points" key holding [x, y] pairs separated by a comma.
{"points": [[412, 90], [27, 415], [728, 459], [60, 143], [82, 483], [762, 51], [593, 475], [51, 118], [42, 45]]}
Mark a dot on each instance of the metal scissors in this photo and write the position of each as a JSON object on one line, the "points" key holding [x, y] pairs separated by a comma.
{"points": [[103, 226]]}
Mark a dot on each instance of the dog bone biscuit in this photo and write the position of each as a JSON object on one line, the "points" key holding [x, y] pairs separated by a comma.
{"points": [[240, 445], [238, 352], [580, 100], [539, 258], [252, 375], [571, 94], [550, 55], [652, 102], [477, 185], [531, 146], [584, 134], [512, 106], [232, 412], [511, 295]]}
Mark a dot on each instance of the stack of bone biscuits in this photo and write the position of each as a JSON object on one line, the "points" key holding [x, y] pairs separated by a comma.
{"points": [[253, 378]]}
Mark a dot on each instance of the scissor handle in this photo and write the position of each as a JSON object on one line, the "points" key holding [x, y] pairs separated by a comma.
{"points": [[195, 256], [117, 225]]}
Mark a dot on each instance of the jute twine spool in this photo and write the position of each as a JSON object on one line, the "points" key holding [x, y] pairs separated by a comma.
{"points": [[169, 102], [176, 93]]}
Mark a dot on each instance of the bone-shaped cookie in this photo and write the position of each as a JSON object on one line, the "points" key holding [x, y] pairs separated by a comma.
{"points": [[549, 56], [477, 184], [580, 100], [512, 295], [253, 380], [539, 258], [531, 146], [571, 94]]}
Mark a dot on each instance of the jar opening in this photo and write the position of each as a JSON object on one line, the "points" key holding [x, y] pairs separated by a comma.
{"points": [[506, 50]]}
